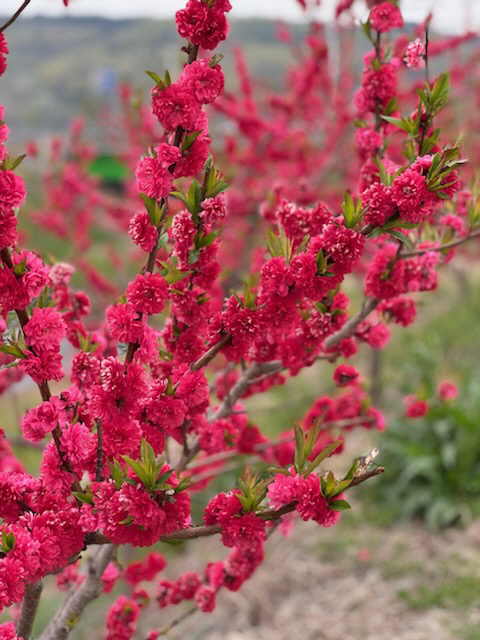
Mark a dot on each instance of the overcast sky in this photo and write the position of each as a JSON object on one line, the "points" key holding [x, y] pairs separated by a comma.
{"points": [[451, 15]]}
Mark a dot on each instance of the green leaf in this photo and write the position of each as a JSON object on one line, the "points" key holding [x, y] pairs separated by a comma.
{"points": [[12, 350], [183, 484], [117, 473], [205, 240], [138, 469], [151, 206], [181, 196], [220, 186], [189, 140], [273, 244], [329, 484], [248, 297], [321, 263], [20, 268], [156, 78], [402, 237], [163, 240], [193, 256], [82, 497], [391, 106], [281, 470], [299, 456], [322, 456], [147, 453], [348, 208], [195, 198], [215, 59], [14, 163], [312, 436], [339, 505], [404, 124]]}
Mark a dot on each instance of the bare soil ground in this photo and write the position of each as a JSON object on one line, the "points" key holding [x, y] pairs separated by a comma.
{"points": [[354, 582]]}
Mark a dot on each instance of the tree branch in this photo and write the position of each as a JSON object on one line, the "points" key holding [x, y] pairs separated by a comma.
{"points": [[441, 247], [363, 473], [15, 16], [29, 609], [66, 618], [350, 326], [43, 387]]}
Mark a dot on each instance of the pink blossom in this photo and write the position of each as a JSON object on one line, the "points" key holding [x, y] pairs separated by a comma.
{"points": [[3, 53], [401, 310], [8, 229], [124, 322], [447, 390], [385, 17], [205, 598], [122, 619], [345, 375], [175, 106], [153, 179], [204, 81], [42, 366], [415, 408], [12, 190], [203, 24], [147, 293], [411, 195], [142, 231], [414, 54], [45, 329]]}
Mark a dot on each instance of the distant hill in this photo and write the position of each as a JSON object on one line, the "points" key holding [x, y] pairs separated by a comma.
{"points": [[60, 67]]}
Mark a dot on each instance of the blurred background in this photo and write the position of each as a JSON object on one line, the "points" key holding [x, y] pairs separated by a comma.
{"points": [[405, 563]]}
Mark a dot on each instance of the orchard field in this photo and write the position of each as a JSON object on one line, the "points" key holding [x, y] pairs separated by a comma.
{"points": [[239, 277]]}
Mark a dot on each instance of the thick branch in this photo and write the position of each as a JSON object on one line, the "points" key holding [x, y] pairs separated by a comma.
{"points": [[363, 473], [15, 16], [29, 609], [67, 617]]}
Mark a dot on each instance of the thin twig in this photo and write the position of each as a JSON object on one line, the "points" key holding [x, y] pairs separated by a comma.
{"points": [[166, 630], [441, 247], [349, 327], [15, 16]]}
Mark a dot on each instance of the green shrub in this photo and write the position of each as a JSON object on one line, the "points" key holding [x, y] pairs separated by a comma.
{"points": [[432, 464]]}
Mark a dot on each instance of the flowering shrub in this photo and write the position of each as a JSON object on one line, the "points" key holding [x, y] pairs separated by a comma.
{"points": [[151, 407]]}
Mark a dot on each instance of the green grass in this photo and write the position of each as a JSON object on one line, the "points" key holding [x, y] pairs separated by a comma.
{"points": [[454, 592]]}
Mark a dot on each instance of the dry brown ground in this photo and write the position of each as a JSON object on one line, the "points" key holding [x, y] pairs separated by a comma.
{"points": [[354, 582]]}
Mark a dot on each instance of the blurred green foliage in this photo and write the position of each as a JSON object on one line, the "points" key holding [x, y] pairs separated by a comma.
{"points": [[433, 463]]}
